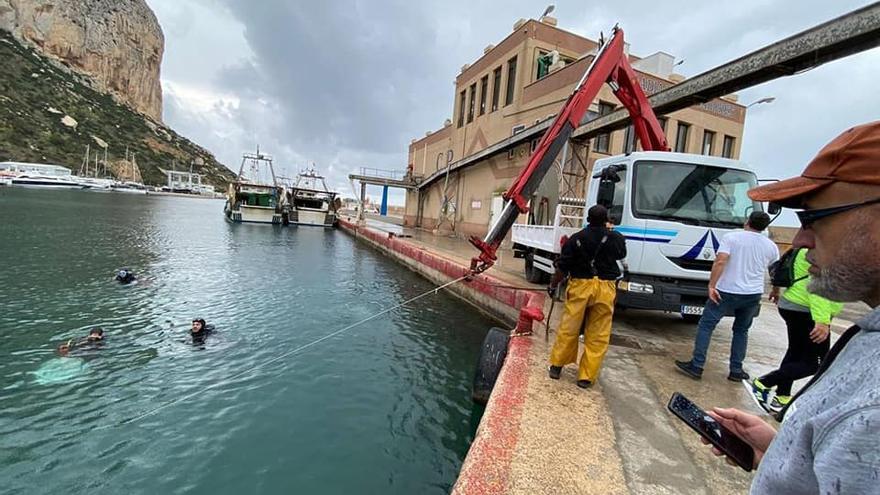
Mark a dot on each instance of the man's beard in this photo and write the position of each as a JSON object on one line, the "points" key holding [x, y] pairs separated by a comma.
{"points": [[853, 275]]}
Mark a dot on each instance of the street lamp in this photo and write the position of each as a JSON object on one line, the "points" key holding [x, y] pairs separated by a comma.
{"points": [[550, 8], [766, 99]]}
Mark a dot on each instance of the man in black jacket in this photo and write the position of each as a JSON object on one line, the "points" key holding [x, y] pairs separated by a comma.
{"points": [[590, 258]]}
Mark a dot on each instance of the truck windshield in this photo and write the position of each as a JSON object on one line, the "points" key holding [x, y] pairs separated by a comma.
{"points": [[692, 193]]}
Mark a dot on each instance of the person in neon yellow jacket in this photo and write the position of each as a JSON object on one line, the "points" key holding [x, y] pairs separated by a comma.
{"points": [[808, 319]]}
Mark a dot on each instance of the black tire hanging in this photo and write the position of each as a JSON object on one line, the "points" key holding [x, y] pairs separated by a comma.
{"points": [[492, 355]]}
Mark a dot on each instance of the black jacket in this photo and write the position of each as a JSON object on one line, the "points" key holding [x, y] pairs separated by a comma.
{"points": [[580, 249]]}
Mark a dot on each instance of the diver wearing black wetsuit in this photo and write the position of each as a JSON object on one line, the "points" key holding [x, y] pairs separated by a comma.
{"points": [[125, 276], [200, 331]]}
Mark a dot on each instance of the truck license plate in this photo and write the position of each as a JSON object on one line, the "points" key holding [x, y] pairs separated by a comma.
{"points": [[692, 310]]}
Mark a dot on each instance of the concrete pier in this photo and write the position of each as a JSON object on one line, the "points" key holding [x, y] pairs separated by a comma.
{"points": [[542, 436]]}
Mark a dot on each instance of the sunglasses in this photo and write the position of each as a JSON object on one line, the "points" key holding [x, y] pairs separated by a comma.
{"points": [[809, 217]]}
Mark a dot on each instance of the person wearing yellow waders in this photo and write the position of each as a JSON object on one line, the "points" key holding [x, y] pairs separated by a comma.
{"points": [[589, 259]]}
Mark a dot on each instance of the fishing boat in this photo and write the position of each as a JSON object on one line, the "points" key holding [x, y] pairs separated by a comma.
{"points": [[310, 202], [250, 198]]}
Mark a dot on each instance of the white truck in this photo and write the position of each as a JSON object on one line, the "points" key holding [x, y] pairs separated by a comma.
{"points": [[672, 208]]}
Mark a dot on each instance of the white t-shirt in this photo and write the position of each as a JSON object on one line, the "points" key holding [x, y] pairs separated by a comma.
{"points": [[750, 255]]}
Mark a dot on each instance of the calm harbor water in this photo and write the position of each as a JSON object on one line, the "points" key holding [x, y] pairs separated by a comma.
{"points": [[382, 408]]}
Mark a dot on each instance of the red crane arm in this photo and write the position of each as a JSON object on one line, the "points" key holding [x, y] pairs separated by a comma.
{"points": [[610, 65]]}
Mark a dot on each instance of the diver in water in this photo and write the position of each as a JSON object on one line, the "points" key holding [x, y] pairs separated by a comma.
{"points": [[93, 340], [125, 276], [96, 336], [200, 330], [64, 349]]}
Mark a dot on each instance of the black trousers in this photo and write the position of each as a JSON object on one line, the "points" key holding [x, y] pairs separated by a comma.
{"points": [[803, 356]]}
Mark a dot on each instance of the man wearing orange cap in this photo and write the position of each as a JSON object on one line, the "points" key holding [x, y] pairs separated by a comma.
{"points": [[829, 441]]}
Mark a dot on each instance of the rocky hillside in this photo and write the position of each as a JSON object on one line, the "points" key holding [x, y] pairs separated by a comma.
{"points": [[49, 113], [118, 44]]}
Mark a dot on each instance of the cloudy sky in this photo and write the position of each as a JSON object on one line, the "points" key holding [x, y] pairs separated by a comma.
{"points": [[347, 84]]}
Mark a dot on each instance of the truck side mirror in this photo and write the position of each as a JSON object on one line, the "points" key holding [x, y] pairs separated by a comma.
{"points": [[774, 208], [605, 194]]}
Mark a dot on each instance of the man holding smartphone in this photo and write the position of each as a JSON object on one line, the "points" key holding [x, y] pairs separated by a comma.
{"points": [[829, 441]]}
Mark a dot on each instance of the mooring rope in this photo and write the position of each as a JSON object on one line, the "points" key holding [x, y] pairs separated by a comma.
{"points": [[186, 397]]}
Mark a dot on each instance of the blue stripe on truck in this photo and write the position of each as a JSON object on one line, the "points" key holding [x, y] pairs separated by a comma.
{"points": [[642, 232]]}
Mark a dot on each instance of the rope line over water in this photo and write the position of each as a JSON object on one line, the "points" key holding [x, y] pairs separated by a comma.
{"points": [[186, 397]]}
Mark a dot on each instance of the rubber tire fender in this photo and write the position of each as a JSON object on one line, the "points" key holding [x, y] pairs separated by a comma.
{"points": [[491, 359]]}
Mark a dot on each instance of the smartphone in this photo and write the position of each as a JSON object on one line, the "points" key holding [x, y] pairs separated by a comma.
{"points": [[719, 436]]}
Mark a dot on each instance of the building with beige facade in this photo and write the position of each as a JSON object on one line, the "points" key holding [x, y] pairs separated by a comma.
{"points": [[519, 83]]}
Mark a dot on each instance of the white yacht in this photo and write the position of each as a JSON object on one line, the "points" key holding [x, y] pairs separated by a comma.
{"points": [[129, 187], [134, 184], [251, 200], [39, 175], [96, 184], [310, 202], [89, 177]]}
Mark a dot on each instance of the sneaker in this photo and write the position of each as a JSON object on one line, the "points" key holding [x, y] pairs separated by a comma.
{"points": [[689, 369], [778, 403], [554, 372], [758, 392], [584, 383], [738, 376]]}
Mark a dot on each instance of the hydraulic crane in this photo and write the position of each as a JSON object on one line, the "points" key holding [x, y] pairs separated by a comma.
{"points": [[610, 65]]}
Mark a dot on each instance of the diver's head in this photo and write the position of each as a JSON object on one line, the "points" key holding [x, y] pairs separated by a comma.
{"points": [[96, 334], [63, 349], [123, 275], [198, 325]]}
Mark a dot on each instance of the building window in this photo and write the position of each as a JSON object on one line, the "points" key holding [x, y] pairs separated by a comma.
{"points": [[511, 81], [472, 102], [727, 149], [681, 137], [708, 142], [662, 121], [484, 86], [496, 88], [629, 139], [461, 102], [602, 144]]}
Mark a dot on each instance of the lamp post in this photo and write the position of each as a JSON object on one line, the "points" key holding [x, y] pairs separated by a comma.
{"points": [[549, 10], [766, 99]]}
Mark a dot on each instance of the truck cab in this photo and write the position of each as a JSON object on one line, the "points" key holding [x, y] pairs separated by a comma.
{"points": [[673, 209]]}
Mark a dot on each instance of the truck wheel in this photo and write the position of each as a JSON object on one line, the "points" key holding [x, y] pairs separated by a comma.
{"points": [[692, 319], [489, 364], [533, 274]]}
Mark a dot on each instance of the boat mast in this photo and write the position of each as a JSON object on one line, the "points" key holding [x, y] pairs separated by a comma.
{"points": [[84, 166]]}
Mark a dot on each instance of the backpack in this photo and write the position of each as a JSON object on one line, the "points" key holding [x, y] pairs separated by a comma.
{"points": [[782, 270]]}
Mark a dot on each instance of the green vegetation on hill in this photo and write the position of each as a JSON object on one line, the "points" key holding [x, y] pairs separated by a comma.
{"points": [[37, 97]]}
